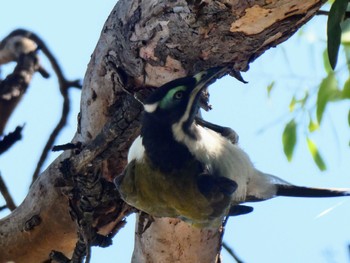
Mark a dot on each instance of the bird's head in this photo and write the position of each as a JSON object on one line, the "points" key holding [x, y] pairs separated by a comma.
{"points": [[179, 100]]}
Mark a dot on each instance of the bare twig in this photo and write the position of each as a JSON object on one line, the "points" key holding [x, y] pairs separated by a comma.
{"points": [[10, 139], [63, 82], [15, 85], [231, 252], [64, 85], [61, 123], [67, 146], [326, 13], [10, 204]]}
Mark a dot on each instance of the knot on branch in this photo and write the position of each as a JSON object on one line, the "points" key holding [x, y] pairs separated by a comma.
{"points": [[31, 223]]}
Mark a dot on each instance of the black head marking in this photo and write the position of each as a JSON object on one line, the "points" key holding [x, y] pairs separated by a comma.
{"points": [[169, 102], [161, 92], [174, 104]]}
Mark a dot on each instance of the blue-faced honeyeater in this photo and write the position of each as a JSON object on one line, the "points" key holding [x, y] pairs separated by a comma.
{"points": [[178, 168]]}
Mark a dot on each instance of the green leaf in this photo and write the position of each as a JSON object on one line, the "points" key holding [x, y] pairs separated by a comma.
{"points": [[313, 126], [335, 17], [316, 155], [345, 28], [269, 88], [327, 92], [289, 139], [292, 104], [346, 90], [346, 47], [345, 37], [326, 64], [304, 100]]}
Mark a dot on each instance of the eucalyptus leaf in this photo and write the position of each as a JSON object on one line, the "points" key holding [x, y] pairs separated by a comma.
{"points": [[327, 92], [292, 104], [289, 139], [269, 88], [316, 155], [305, 99], [346, 47], [313, 126], [335, 17], [346, 90], [326, 64]]}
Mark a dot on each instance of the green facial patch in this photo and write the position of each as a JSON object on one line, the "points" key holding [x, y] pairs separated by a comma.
{"points": [[168, 101]]}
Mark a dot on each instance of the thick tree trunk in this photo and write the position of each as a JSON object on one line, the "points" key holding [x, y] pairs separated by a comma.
{"points": [[144, 43]]}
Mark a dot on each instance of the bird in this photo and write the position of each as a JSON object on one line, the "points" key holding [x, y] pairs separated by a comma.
{"points": [[183, 168]]}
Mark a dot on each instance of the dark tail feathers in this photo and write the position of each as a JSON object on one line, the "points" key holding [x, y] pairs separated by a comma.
{"points": [[300, 191]]}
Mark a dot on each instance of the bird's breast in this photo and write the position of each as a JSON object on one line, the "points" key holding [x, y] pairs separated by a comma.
{"points": [[173, 194]]}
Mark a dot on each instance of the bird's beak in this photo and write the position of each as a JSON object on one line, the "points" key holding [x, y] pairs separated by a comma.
{"points": [[203, 80]]}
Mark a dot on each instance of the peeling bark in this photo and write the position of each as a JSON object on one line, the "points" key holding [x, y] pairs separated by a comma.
{"points": [[143, 44]]}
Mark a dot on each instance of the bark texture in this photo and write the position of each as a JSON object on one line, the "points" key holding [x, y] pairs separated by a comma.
{"points": [[143, 44]]}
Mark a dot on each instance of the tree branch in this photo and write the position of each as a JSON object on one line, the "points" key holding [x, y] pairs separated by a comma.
{"points": [[142, 44], [326, 13], [15, 85], [64, 85], [22, 33], [10, 139], [10, 204], [52, 138], [28, 40], [231, 252]]}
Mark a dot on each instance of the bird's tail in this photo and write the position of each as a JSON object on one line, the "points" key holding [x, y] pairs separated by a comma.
{"points": [[264, 186], [302, 191]]}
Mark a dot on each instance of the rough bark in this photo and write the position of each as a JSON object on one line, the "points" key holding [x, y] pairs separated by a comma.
{"points": [[144, 43]]}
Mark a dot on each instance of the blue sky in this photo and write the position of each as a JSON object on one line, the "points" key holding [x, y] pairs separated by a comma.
{"points": [[279, 230]]}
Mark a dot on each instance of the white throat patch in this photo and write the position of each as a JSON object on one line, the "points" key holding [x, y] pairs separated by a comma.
{"points": [[137, 150], [150, 108]]}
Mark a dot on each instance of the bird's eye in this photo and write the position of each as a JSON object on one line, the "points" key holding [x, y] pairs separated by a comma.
{"points": [[178, 95]]}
